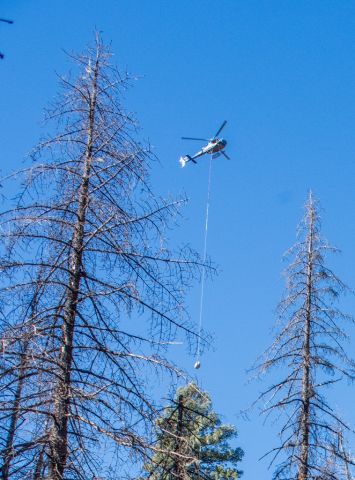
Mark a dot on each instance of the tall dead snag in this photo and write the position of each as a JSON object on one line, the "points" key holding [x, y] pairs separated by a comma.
{"points": [[309, 349], [14, 412], [17, 394], [89, 223]]}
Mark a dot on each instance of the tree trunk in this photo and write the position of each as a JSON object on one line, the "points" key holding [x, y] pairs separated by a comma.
{"points": [[9, 452], [306, 362], [179, 467], [59, 434], [38, 472]]}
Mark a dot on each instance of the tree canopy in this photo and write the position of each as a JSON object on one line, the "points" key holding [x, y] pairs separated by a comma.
{"points": [[200, 444]]}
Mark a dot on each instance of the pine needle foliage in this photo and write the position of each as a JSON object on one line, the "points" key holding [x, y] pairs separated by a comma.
{"points": [[200, 444]]}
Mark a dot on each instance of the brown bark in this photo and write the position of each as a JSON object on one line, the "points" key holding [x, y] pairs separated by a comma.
{"points": [[38, 471], [179, 470]]}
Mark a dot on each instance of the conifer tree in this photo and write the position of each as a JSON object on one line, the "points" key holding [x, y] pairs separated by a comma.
{"points": [[309, 355], [199, 443], [86, 235]]}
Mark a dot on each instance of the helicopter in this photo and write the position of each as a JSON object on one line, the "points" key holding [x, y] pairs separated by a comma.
{"points": [[215, 147]]}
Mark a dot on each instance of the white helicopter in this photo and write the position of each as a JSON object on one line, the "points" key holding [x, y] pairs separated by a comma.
{"points": [[215, 147]]}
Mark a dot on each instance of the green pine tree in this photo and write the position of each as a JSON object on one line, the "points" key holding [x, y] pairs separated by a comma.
{"points": [[192, 442]]}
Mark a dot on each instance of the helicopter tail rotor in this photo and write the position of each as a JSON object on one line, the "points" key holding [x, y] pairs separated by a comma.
{"points": [[182, 161], [186, 158]]}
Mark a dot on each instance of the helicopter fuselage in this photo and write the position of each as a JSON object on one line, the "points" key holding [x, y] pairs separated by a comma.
{"points": [[214, 146]]}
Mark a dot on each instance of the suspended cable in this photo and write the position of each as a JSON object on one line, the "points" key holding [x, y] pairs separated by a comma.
{"points": [[198, 363]]}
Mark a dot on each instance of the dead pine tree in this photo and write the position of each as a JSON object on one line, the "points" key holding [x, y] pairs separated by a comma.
{"points": [[309, 351], [88, 221], [19, 397], [13, 411]]}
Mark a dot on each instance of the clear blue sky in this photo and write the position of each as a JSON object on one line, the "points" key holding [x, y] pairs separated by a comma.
{"points": [[283, 74]]}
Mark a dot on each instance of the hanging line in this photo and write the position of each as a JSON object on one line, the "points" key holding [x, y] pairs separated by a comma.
{"points": [[197, 364]]}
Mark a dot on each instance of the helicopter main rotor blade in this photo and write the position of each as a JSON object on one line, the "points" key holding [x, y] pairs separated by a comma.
{"points": [[192, 138], [220, 128], [224, 153]]}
